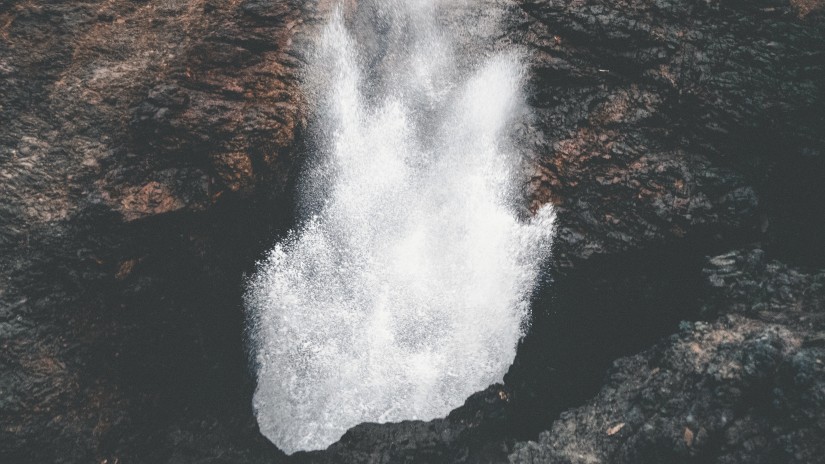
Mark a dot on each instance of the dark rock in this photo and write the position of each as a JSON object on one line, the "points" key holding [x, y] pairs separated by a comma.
{"points": [[130, 211], [268, 10], [744, 388], [470, 433]]}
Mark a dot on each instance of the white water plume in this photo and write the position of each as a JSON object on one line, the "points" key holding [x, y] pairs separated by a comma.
{"points": [[406, 287]]}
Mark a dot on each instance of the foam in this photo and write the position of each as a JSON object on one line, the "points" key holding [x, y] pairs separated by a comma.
{"points": [[406, 287]]}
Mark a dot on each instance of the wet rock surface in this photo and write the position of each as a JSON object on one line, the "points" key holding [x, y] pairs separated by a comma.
{"points": [[146, 155], [747, 387], [681, 117], [668, 131], [145, 148]]}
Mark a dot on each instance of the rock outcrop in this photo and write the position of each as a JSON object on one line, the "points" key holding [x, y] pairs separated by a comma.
{"points": [[667, 131], [747, 387], [664, 133], [145, 151]]}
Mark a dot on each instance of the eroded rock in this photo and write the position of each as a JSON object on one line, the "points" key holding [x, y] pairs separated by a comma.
{"points": [[747, 387]]}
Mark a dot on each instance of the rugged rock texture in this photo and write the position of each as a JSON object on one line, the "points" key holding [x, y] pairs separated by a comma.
{"points": [[662, 120], [748, 387], [146, 152], [145, 148], [668, 131], [665, 132]]}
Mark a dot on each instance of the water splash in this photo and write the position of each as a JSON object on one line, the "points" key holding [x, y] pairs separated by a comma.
{"points": [[406, 288]]}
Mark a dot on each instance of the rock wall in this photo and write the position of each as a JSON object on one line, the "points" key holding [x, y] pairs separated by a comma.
{"points": [[146, 151], [746, 387]]}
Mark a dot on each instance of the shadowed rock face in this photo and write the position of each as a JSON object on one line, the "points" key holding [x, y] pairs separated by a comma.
{"points": [[144, 153], [147, 152], [668, 131], [747, 387], [678, 115]]}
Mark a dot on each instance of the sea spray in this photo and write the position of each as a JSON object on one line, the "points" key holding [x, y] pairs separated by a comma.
{"points": [[406, 286]]}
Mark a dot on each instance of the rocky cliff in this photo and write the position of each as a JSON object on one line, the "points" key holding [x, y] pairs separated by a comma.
{"points": [[135, 136], [147, 151]]}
